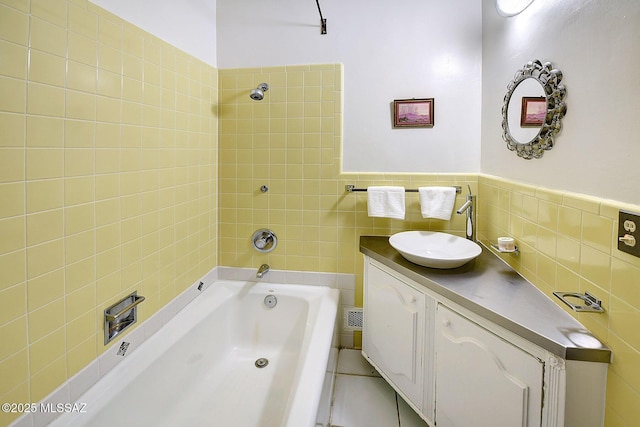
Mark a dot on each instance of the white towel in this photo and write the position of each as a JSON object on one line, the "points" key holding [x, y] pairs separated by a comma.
{"points": [[437, 202], [386, 202]]}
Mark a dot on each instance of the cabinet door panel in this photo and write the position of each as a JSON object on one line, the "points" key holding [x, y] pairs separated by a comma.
{"points": [[394, 322], [393, 330], [481, 379]]}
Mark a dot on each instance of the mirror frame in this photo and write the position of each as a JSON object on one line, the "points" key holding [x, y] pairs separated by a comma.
{"points": [[555, 92]]}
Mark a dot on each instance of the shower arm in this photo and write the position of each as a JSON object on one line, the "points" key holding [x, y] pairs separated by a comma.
{"points": [[323, 21]]}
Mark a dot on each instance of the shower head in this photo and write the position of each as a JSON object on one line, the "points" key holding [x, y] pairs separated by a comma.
{"points": [[258, 93]]}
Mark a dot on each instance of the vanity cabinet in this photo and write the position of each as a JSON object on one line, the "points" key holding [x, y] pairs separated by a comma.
{"points": [[482, 380], [457, 368]]}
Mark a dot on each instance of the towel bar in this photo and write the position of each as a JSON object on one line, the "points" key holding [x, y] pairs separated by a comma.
{"points": [[350, 188]]}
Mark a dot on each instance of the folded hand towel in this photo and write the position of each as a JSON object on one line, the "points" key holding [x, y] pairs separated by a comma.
{"points": [[437, 202], [386, 202]]}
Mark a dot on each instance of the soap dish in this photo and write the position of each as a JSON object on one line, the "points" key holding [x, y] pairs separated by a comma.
{"points": [[515, 251]]}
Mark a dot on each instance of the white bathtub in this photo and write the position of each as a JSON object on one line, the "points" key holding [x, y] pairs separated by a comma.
{"points": [[199, 370]]}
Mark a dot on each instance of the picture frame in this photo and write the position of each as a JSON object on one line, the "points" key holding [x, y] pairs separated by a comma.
{"points": [[534, 111], [413, 112]]}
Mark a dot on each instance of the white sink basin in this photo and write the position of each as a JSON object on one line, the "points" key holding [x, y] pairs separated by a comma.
{"points": [[434, 249]]}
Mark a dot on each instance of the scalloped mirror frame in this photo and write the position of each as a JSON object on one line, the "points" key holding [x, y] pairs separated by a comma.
{"points": [[555, 92]]}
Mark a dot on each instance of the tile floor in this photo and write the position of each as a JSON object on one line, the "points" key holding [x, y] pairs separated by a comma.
{"points": [[361, 398]]}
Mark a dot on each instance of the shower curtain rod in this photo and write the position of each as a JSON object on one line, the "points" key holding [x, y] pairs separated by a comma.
{"points": [[323, 22]]}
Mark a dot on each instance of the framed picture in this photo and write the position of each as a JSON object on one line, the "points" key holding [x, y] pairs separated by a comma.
{"points": [[413, 113], [534, 110]]}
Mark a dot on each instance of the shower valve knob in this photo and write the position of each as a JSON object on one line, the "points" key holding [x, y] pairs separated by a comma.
{"points": [[264, 240]]}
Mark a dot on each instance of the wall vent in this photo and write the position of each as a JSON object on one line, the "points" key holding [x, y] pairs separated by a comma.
{"points": [[352, 319]]}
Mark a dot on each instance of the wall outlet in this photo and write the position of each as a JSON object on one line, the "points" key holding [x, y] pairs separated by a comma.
{"points": [[629, 233]]}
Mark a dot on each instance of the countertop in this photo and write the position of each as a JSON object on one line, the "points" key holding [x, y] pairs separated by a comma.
{"points": [[490, 288]]}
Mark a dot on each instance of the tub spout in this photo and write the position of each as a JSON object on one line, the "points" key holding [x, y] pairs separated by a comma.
{"points": [[264, 269]]}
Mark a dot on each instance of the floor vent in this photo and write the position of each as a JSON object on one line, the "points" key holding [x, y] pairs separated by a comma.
{"points": [[352, 319]]}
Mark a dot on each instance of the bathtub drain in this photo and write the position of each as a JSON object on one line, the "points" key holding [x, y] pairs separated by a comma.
{"points": [[262, 362]]}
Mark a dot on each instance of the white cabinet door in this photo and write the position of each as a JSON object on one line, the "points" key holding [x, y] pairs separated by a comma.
{"points": [[482, 380], [393, 331]]}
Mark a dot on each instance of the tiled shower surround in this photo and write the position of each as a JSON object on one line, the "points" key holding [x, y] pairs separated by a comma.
{"points": [[126, 164]]}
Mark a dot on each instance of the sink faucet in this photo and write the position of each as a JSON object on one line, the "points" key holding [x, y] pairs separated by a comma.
{"points": [[264, 269], [469, 207]]}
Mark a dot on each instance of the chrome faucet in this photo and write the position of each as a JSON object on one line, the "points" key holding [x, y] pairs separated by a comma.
{"points": [[469, 207], [264, 269]]}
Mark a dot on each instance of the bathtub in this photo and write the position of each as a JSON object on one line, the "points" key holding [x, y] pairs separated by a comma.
{"points": [[201, 368]]}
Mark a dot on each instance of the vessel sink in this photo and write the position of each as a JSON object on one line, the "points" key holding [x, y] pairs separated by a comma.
{"points": [[434, 249]]}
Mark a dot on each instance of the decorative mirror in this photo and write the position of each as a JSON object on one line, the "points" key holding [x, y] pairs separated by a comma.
{"points": [[533, 109]]}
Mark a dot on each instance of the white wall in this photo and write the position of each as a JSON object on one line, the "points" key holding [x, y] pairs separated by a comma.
{"points": [[596, 44], [390, 50], [189, 25]]}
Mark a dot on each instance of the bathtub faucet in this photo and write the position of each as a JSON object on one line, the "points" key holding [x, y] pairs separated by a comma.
{"points": [[470, 208], [264, 269]]}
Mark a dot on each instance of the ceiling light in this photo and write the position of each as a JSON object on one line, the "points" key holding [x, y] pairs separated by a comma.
{"points": [[511, 7]]}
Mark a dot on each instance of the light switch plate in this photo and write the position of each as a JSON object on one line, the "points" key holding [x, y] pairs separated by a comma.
{"points": [[629, 224]]}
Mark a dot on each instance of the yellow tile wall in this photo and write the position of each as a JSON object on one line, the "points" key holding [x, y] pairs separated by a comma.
{"points": [[568, 242], [108, 182]]}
